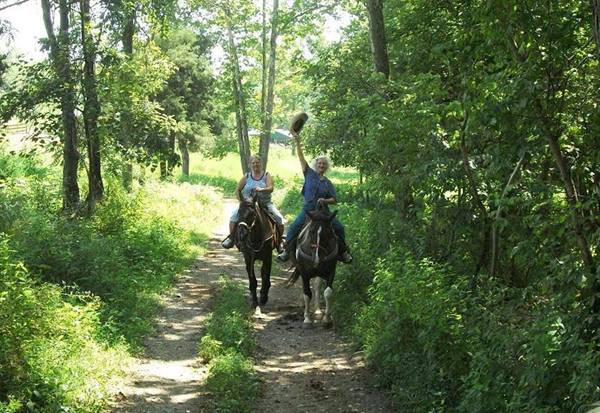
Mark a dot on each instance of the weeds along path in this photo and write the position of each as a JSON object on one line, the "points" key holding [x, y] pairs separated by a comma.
{"points": [[299, 370]]}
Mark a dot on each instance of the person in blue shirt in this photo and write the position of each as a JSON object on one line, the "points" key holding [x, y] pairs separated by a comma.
{"points": [[261, 183], [317, 189]]}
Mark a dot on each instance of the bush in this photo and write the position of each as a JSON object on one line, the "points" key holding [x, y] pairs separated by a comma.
{"points": [[92, 284], [50, 356], [411, 332]]}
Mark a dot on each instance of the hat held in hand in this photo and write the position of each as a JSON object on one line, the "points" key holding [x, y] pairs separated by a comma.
{"points": [[297, 122]]}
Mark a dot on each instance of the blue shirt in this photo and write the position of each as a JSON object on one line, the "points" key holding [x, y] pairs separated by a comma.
{"points": [[315, 188]]}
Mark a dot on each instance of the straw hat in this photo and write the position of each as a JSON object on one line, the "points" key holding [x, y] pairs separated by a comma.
{"points": [[297, 122]]}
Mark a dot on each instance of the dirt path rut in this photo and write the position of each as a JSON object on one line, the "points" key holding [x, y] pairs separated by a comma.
{"points": [[299, 370]]}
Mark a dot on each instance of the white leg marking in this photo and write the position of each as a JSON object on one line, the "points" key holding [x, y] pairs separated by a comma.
{"points": [[328, 294], [317, 295], [307, 319]]}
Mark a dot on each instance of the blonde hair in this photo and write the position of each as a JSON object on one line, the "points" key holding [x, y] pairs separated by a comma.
{"points": [[314, 162], [255, 156]]}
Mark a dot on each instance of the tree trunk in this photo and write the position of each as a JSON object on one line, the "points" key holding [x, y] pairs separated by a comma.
{"points": [[60, 54], [266, 132], [91, 110], [475, 195], [596, 24], [240, 138], [263, 90], [171, 157], [576, 218], [377, 36], [163, 168], [127, 40], [185, 155], [238, 90]]}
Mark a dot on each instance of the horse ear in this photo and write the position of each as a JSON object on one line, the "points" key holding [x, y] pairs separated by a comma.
{"points": [[333, 215]]}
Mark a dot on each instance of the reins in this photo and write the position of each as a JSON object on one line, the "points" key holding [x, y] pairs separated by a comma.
{"points": [[248, 242], [314, 256]]}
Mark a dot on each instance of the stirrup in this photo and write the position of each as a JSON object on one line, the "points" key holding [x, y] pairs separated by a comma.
{"points": [[227, 243], [283, 256]]}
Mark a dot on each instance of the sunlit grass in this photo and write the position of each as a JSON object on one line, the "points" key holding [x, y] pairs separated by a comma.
{"points": [[283, 166]]}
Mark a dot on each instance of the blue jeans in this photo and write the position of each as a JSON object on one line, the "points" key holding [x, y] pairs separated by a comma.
{"points": [[296, 226]]}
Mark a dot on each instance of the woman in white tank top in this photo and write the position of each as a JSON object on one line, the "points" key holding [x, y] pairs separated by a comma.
{"points": [[260, 182]]}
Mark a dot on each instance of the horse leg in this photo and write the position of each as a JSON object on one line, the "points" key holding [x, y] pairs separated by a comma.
{"points": [[253, 282], [327, 321], [317, 292], [265, 275], [307, 323]]}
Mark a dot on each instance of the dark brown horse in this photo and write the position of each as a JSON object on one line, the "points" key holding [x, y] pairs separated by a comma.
{"points": [[316, 255], [256, 237]]}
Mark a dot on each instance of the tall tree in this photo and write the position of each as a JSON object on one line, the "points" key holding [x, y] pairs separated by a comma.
{"points": [[61, 61], [238, 94], [268, 115], [127, 34], [377, 36], [91, 110]]}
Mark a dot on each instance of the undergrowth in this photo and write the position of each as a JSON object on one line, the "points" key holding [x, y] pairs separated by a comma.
{"points": [[228, 344], [78, 293]]}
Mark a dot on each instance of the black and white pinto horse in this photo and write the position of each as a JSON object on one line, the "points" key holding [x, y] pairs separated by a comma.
{"points": [[316, 255], [256, 237]]}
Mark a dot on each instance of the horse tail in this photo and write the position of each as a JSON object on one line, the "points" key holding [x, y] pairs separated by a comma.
{"points": [[293, 278]]}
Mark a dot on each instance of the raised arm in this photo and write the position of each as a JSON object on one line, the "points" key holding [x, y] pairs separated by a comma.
{"points": [[300, 153]]}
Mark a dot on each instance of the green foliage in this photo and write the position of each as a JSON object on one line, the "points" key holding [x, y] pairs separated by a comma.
{"points": [[51, 358], [61, 347], [437, 144], [411, 331], [227, 343], [232, 382], [229, 327]]}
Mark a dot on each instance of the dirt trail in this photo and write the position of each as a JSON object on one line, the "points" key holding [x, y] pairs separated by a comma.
{"points": [[300, 370]]}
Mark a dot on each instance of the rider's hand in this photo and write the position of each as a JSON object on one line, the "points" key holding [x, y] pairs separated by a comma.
{"points": [[257, 189], [321, 201]]}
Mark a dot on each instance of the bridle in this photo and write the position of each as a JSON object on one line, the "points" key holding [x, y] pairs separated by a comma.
{"points": [[248, 241]]}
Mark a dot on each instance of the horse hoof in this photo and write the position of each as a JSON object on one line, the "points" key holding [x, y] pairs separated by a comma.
{"points": [[307, 326], [254, 305], [327, 324]]}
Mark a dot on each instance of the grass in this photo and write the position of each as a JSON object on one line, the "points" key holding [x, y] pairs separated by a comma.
{"points": [[284, 167], [227, 344]]}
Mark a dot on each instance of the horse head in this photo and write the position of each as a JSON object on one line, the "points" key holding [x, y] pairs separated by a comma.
{"points": [[323, 242], [247, 217]]}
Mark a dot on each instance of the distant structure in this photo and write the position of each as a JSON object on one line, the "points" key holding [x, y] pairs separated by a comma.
{"points": [[15, 135], [277, 136]]}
